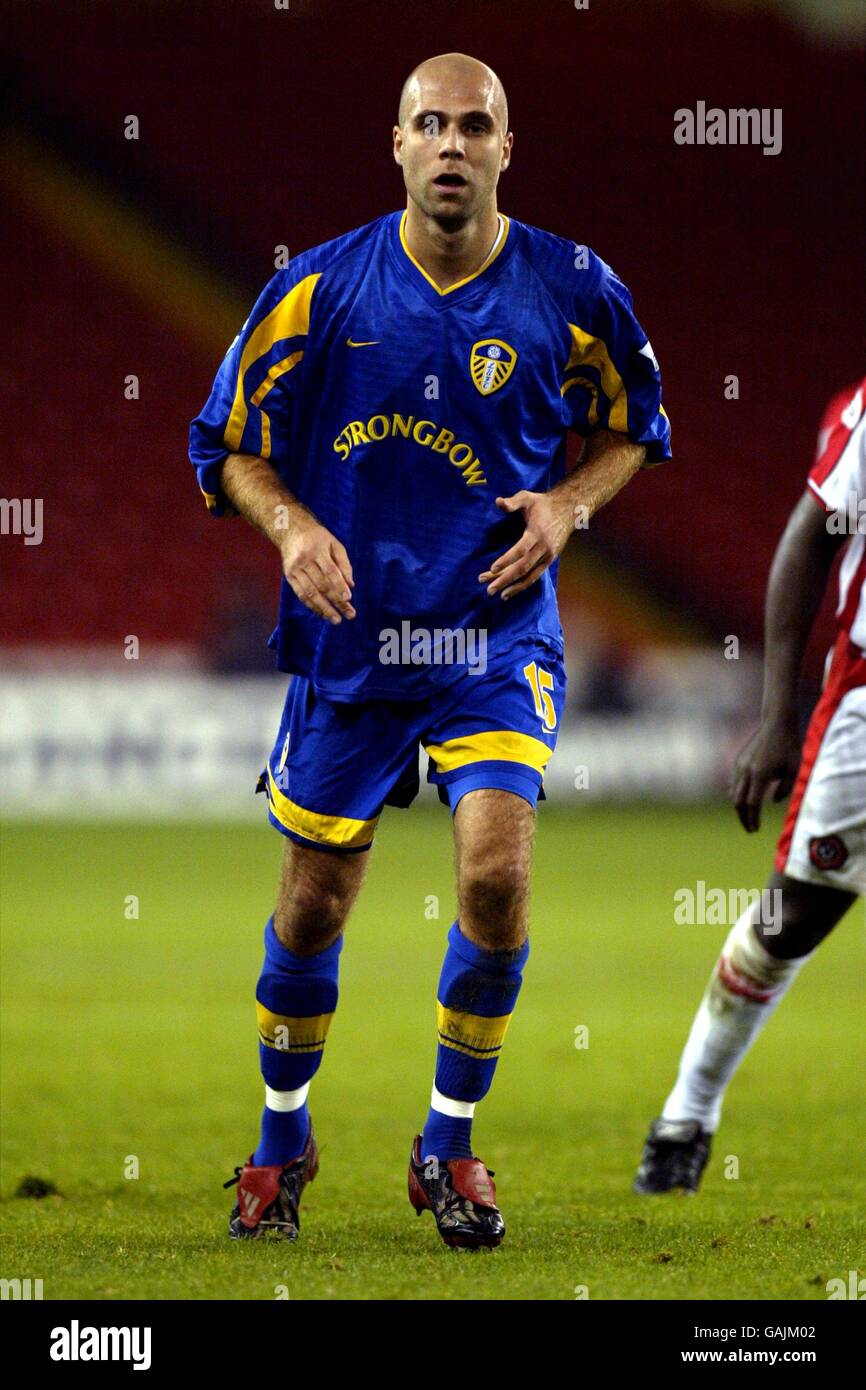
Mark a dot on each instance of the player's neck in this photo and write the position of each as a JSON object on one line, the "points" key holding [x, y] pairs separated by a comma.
{"points": [[449, 257]]}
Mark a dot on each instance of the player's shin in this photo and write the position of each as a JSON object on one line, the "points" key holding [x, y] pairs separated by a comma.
{"points": [[744, 989], [478, 990], [295, 1001]]}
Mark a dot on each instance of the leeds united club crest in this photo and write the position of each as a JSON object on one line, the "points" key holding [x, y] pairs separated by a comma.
{"points": [[491, 363]]}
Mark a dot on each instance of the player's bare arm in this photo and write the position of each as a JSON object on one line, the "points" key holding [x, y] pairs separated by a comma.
{"points": [[798, 578], [610, 461], [315, 563]]}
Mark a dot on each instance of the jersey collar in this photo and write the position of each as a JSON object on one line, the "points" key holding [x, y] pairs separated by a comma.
{"points": [[495, 251]]}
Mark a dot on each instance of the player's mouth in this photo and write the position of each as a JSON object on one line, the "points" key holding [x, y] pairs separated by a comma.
{"points": [[450, 184]]}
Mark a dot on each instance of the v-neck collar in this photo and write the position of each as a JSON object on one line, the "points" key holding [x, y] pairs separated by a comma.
{"points": [[427, 284]]}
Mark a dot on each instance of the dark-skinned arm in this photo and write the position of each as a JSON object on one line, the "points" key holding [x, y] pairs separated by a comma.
{"points": [[798, 578]]}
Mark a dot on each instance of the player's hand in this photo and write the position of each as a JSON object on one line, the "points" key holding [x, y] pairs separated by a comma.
{"points": [[317, 568], [548, 527], [771, 755]]}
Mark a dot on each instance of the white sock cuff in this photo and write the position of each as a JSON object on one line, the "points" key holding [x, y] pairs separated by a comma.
{"points": [[286, 1100], [457, 1109]]}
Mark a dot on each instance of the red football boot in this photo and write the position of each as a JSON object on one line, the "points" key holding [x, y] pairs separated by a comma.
{"points": [[269, 1197], [462, 1197]]}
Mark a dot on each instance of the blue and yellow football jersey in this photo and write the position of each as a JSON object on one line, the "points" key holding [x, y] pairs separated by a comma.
{"points": [[398, 413]]}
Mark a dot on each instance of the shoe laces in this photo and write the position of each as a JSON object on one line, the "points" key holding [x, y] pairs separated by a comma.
{"points": [[452, 1198]]}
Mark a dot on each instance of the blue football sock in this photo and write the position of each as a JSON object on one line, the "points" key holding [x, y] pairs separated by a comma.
{"points": [[284, 1134], [295, 1001], [446, 1136], [478, 990]]}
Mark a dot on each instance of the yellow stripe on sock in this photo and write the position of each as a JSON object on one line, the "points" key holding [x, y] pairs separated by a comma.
{"points": [[471, 1034], [285, 1033]]}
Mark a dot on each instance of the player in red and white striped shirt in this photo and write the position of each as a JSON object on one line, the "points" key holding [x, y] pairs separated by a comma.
{"points": [[820, 864], [824, 837]]}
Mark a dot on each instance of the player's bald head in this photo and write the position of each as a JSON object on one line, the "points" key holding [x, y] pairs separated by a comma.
{"points": [[453, 78]]}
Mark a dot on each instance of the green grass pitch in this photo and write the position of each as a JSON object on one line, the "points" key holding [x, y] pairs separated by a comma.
{"points": [[136, 1038]]}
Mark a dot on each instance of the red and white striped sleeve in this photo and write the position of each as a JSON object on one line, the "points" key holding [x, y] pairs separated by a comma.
{"points": [[838, 470]]}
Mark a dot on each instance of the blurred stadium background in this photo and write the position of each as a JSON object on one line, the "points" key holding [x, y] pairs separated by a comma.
{"points": [[260, 127], [136, 685]]}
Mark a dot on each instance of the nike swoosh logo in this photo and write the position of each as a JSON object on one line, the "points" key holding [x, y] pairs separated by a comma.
{"points": [[349, 343]]}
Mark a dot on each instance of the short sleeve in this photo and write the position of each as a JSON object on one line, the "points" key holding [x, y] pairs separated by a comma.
{"points": [[612, 379], [839, 470], [249, 407]]}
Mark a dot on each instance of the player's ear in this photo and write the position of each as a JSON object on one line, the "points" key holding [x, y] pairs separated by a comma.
{"points": [[507, 145], [397, 135]]}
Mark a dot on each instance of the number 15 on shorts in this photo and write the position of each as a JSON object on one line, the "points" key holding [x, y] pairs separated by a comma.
{"points": [[541, 684]]}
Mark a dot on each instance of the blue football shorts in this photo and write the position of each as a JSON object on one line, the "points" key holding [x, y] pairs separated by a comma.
{"points": [[334, 766]]}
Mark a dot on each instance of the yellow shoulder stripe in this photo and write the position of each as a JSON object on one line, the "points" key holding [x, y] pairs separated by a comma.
{"points": [[589, 351], [288, 319], [277, 370]]}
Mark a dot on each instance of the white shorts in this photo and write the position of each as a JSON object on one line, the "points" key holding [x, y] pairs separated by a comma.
{"points": [[824, 836]]}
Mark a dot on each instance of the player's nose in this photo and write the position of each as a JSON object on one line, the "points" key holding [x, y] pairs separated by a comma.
{"points": [[452, 144]]}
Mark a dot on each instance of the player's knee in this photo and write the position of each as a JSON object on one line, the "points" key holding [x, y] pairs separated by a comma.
{"points": [[802, 915], [494, 892], [310, 916]]}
